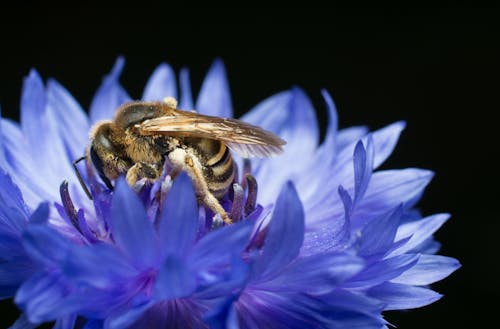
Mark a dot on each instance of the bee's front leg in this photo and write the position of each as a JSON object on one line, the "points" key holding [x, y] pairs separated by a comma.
{"points": [[180, 159], [142, 170]]}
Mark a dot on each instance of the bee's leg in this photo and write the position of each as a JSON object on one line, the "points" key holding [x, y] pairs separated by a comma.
{"points": [[142, 170], [181, 159]]}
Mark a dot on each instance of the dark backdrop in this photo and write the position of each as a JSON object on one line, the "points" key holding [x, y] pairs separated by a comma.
{"points": [[435, 68]]}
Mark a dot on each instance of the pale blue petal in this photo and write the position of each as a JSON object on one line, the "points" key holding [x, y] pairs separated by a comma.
{"points": [[419, 231], [387, 190], [68, 113], [385, 141], [66, 322], [382, 271], [3, 160], [214, 97], [316, 275], [429, 269], [186, 101], [402, 297], [297, 125], [109, 96], [40, 128], [161, 84], [18, 164], [33, 101], [349, 136], [23, 323], [270, 113]]}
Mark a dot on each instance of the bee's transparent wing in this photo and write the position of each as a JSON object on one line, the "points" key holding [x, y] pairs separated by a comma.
{"points": [[244, 139]]}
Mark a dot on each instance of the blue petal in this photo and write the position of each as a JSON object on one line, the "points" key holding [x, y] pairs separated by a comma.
{"points": [[131, 229], [223, 317], [127, 318], [363, 164], [333, 235], [40, 297], [161, 84], [13, 211], [23, 323], [45, 244], [382, 271], [66, 322], [14, 272], [328, 145], [402, 297], [429, 269], [215, 97], [378, 236], [384, 141], [346, 201], [110, 95], [3, 160], [186, 101], [94, 324], [268, 309], [68, 113], [41, 214], [220, 245], [99, 265], [174, 280], [347, 300], [285, 234], [419, 231], [222, 279], [179, 218]]}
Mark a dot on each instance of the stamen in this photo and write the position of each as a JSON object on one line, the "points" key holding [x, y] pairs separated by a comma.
{"points": [[68, 205], [237, 208], [252, 194], [247, 169]]}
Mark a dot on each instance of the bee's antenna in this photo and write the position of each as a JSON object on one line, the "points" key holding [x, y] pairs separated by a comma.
{"points": [[80, 179]]}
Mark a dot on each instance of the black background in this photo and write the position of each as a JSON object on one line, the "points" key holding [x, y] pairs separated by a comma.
{"points": [[436, 68]]}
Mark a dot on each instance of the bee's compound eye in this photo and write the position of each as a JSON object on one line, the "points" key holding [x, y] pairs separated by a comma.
{"points": [[98, 165]]}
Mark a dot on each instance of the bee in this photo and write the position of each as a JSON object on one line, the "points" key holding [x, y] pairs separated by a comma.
{"points": [[143, 135]]}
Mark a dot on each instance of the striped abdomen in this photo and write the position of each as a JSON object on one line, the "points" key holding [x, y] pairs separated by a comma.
{"points": [[218, 164]]}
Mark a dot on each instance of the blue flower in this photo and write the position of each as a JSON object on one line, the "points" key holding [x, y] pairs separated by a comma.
{"points": [[326, 242]]}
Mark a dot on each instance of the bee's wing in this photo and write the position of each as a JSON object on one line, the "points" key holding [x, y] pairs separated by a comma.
{"points": [[243, 138]]}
